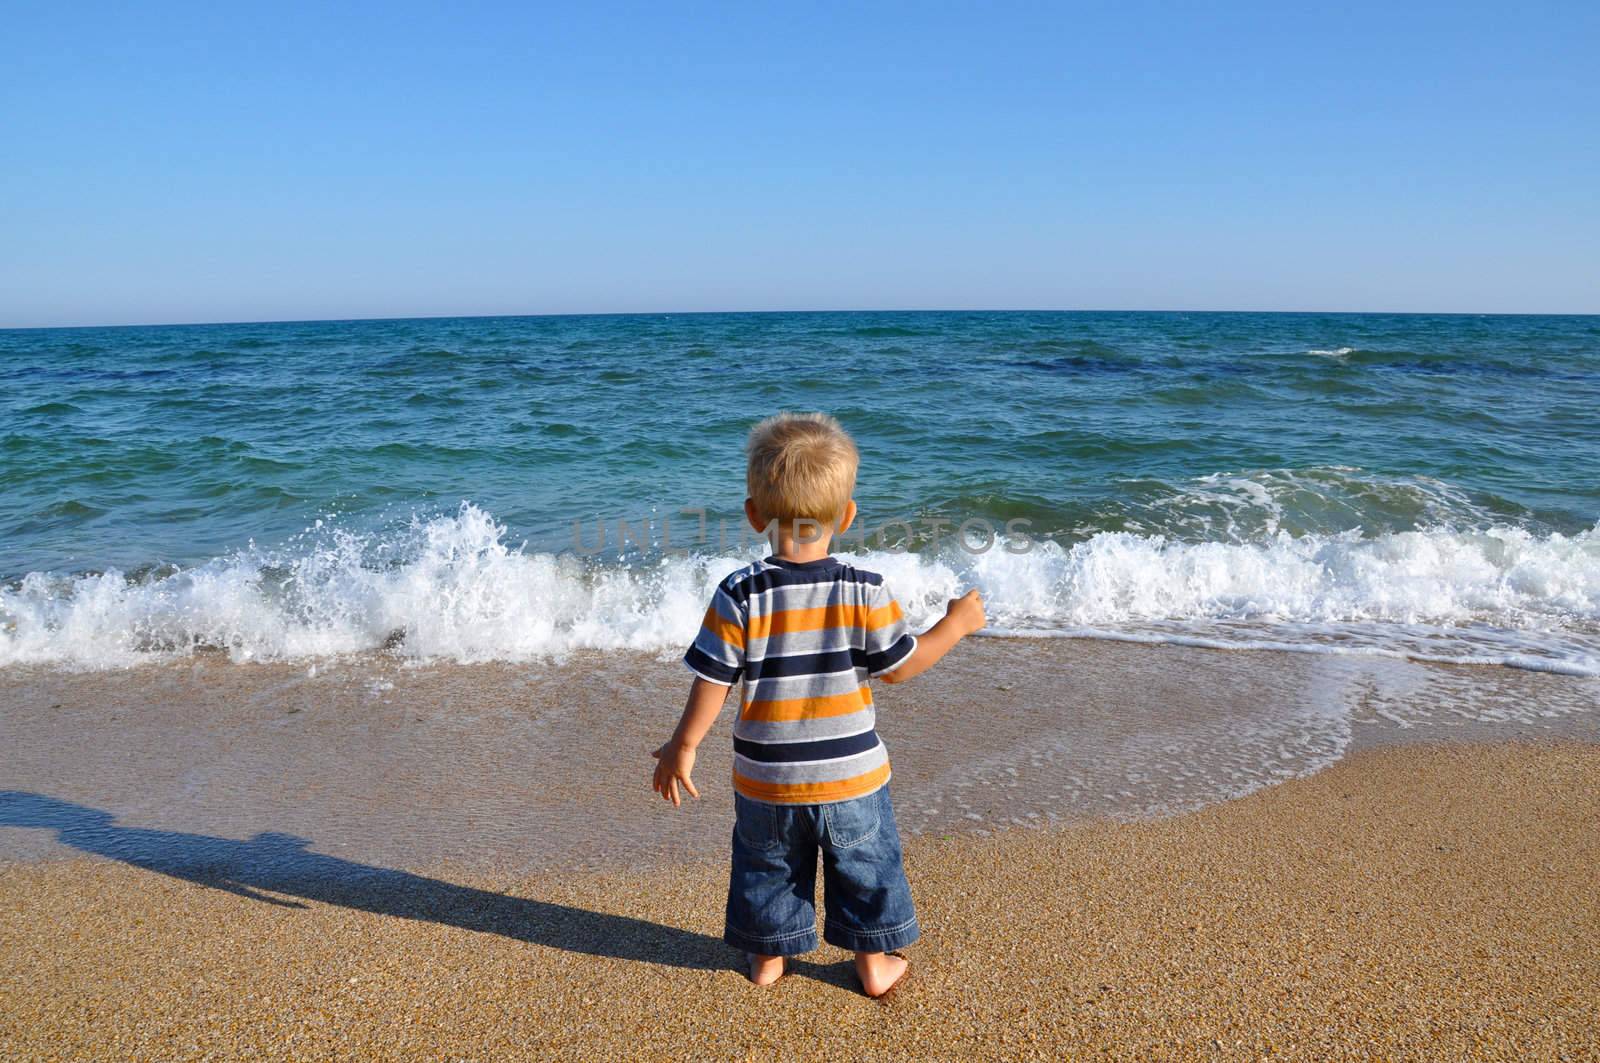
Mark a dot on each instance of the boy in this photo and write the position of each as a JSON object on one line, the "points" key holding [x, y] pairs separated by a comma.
{"points": [[805, 632]]}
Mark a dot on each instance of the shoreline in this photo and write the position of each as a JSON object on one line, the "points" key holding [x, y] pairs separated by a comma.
{"points": [[1412, 901], [528, 768]]}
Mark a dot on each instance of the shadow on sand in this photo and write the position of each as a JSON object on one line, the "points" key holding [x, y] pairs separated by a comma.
{"points": [[283, 864]]}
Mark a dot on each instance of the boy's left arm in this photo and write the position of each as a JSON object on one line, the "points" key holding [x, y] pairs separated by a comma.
{"points": [[675, 759]]}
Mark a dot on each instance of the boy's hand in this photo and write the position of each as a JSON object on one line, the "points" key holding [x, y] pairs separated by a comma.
{"points": [[967, 612], [674, 764]]}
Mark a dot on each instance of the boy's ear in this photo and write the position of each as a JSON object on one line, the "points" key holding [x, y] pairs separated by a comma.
{"points": [[849, 516], [753, 515]]}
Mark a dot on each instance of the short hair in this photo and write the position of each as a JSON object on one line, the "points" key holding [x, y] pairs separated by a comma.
{"points": [[801, 466]]}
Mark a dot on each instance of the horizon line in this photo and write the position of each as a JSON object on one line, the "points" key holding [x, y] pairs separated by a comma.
{"points": [[729, 313]]}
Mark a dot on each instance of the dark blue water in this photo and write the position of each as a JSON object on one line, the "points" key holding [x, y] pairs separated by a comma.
{"points": [[1386, 478]]}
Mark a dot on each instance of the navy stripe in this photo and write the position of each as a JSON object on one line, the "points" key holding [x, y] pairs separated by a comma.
{"points": [[818, 565], [807, 664], [822, 749], [766, 579], [698, 660], [877, 662]]}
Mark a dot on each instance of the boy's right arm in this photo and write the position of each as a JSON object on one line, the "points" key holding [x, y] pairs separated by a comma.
{"points": [[962, 617], [675, 759], [717, 659]]}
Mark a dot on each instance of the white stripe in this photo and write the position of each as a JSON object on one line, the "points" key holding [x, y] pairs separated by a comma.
{"points": [[774, 770], [793, 741], [702, 675]]}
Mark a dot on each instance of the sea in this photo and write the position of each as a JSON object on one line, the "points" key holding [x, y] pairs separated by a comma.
{"points": [[516, 489]]}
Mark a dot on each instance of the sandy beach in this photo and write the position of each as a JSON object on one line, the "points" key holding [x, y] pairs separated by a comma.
{"points": [[1115, 849], [1422, 902]]}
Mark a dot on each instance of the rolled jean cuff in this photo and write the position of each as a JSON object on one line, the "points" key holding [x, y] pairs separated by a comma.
{"points": [[778, 945], [886, 940]]}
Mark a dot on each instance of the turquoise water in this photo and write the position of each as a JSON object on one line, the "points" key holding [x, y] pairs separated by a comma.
{"points": [[1377, 483]]}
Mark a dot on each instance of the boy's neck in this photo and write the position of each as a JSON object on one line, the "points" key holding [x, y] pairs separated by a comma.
{"points": [[789, 548]]}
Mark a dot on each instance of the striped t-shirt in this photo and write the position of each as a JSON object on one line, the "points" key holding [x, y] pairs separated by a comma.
{"points": [[805, 637]]}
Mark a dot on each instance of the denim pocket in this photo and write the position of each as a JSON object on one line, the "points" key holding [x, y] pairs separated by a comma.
{"points": [[853, 822], [756, 823]]}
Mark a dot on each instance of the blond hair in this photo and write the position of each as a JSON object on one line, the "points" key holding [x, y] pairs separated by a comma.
{"points": [[801, 466]]}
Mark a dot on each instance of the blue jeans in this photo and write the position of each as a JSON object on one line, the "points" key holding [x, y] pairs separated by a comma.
{"points": [[771, 910]]}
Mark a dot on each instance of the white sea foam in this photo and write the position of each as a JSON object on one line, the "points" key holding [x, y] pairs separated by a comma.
{"points": [[453, 588]]}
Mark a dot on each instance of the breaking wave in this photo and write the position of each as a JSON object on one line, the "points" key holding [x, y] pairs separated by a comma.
{"points": [[453, 587]]}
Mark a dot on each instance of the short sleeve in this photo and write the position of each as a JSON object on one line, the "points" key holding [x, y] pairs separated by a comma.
{"points": [[717, 654], [889, 642]]}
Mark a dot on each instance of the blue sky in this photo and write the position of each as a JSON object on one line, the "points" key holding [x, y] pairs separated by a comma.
{"points": [[165, 162]]}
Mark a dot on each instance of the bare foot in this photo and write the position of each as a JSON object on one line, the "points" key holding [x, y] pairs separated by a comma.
{"points": [[764, 970], [879, 971]]}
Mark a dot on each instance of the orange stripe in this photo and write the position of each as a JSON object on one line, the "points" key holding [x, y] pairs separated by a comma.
{"points": [[723, 628], [884, 615], [779, 709], [807, 793], [833, 615]]}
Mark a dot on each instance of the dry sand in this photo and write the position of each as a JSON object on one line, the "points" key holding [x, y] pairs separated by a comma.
{"points": [[1425, 902]]}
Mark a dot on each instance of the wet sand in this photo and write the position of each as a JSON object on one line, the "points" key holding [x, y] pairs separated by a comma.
{"points": [[1421, 902], [545, 767]]}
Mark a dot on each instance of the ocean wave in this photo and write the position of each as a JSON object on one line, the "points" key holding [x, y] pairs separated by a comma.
{"points": [[1254, 505], [1451, 363], [453, 587]]}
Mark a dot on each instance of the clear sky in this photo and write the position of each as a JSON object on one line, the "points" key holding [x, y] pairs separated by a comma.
{"points": [[218, 161]]}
